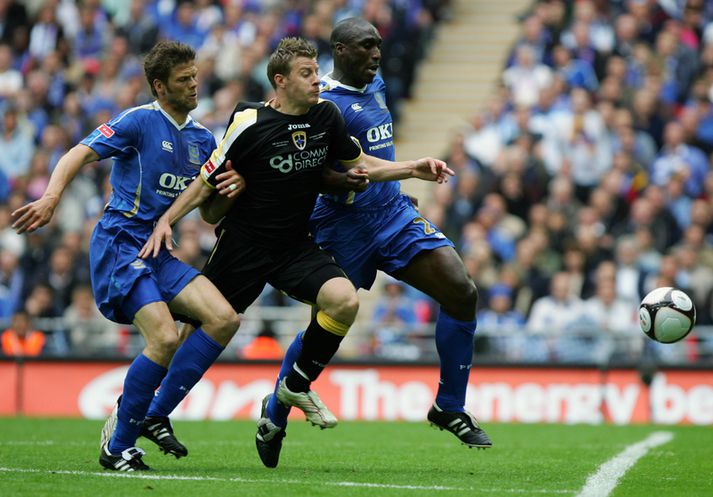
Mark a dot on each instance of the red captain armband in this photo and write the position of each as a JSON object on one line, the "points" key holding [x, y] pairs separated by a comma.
{"points": [[105, 130]]}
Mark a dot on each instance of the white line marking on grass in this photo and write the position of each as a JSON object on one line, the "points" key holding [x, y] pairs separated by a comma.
{"points": [[140, 476], [601, 483], [236, 479]]}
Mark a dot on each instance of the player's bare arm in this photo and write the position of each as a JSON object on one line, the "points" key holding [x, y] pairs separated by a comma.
{"points": [[230, 185], [425, 168], [335, 182], [193, 196], [196, 193], [36, 214]]}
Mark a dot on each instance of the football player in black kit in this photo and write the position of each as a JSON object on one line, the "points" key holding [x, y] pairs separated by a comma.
{"points": [[281, 149]]}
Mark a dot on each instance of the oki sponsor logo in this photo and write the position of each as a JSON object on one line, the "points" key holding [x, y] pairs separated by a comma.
{"points": [[105, 130], [382, 132], [173, 182]]}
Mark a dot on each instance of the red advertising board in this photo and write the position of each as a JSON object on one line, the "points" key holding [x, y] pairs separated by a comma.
{"points": [[501, 394]]}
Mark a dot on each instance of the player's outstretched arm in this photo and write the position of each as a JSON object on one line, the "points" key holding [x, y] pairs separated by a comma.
{"points": [[336, 183], [196, 193], [426, 168], [230, 185], [38, 213]]}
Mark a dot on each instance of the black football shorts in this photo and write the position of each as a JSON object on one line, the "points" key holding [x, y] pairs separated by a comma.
{"points": [[240, 269]]}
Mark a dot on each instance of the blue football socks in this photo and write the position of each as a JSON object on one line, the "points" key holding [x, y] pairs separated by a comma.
{"points": [[191, 361], [141, 381], [276, 411], [455, 346]]}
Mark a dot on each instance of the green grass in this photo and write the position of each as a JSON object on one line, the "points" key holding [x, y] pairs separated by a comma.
{"points": [[58, 457]]}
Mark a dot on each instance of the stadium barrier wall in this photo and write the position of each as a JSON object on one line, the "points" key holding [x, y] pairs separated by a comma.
{"points": [[379, 392]]}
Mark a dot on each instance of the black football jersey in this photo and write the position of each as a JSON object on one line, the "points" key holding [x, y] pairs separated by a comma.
{"points": [[282, 158]]}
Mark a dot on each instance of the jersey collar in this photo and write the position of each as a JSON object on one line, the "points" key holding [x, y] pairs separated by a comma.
{"points": [[179, 127], [333, 83]]}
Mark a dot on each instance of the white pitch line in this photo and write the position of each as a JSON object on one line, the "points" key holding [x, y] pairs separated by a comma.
{"points": [[140, 476], [236, 479], [601, 483]]}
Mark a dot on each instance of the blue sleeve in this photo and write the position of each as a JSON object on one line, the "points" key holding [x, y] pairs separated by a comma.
{"points": [[113, 138]]}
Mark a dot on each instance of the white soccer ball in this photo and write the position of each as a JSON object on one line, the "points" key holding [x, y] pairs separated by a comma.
{"points": [[667, 315]]}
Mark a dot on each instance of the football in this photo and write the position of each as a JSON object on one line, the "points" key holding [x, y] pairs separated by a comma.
{"points": [[667, 315]]}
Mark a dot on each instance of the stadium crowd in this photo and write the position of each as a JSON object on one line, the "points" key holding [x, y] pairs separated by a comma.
{"points": [[66, 67], [583, 183]]}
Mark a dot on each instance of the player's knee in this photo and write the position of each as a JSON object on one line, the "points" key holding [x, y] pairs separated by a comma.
{"points": [[462, 293], [341, 303], [223, 324], [164, 341]]}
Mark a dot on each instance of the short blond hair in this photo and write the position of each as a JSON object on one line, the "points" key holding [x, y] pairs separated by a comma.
{"points": [[288, 50]]}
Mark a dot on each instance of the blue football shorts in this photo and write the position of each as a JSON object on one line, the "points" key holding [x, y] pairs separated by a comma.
{"points": [[122, 282], [385, 238]]}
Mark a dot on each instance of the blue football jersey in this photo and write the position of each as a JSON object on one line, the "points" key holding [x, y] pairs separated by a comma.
{"points": [[155, 158], [369, 120]]}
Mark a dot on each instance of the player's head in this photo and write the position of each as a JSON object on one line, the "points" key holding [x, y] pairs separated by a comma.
{"points": [[356, 48], [171, 72], [293, 70]]}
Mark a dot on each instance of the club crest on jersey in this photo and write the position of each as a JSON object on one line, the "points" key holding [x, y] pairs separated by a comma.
{"points": [[105, 130], [193, 154], [299, 138]]}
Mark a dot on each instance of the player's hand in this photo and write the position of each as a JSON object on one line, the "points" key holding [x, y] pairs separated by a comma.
{"points": [[34, 215], [230, 183], [356, 179], [162, 233], [430, 169]]}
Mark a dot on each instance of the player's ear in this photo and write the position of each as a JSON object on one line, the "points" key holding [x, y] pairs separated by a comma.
{"points": [[280, 80], [158, 86]]}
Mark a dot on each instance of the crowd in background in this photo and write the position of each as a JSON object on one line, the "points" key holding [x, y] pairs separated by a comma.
{"points": [[68, 66], [583, 183]]}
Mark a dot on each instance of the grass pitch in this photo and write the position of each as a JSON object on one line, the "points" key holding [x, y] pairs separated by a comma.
{"points": [[59, 457]]}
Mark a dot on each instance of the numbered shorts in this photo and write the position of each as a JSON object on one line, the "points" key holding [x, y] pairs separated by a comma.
{"points": [[363, 241]]}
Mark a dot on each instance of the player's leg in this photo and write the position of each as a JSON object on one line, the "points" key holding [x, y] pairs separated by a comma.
{"points": [[202, 302], [156, 325], [335, 299], [440, 273], [337, 306]]}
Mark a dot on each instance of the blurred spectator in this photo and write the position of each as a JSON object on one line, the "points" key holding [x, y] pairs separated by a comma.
{"points": [[140, 29], [20, 340], [576, 73], [503, 324], [394, 316], [692, 274], [610, 313], [17, 145], [676, 157], [10, 78], [46, 34], [90, 333], [629, 275], [526, 77], [264, 346], [556, 312], [11, 283]]}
